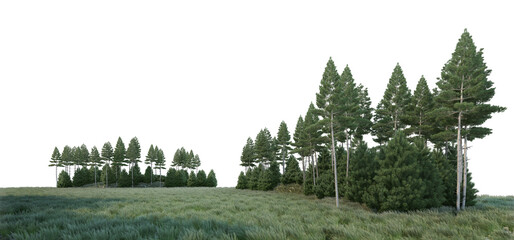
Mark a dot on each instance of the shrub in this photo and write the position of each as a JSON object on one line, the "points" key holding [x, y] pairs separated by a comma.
{"points": [[64, 180]]}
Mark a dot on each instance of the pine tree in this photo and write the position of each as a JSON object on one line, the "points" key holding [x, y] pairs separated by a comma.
{"points": [[262, 148], [363, 119], [293, 174], [148, 175], [254, 176], [327, 101], [248, 155], [66, 158], [160, 162], [312, 139], [64, 180], [416, 117], [106, 172], [464, 92], [56, 161], [300, 143], [211, 179], [363, 172], [124, 180], [96, 160], [201, 178], [150, 159], [172, 178], [133, 154], [392, 108], [195, 161], [192, 182], [118, 157], [241, 181], [284, 142], [107, 154], [84, 156], [433, 194]]}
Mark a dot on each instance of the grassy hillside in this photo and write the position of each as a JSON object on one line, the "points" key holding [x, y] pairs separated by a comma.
{"points": [[225, 213]]}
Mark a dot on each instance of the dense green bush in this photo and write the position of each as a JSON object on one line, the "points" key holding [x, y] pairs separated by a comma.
{"points": [[125, 179], [362, 171], [64, 180], [201, 178], [292, 174], [242, 181], [81, 177], [191, 181], [211, 179]]}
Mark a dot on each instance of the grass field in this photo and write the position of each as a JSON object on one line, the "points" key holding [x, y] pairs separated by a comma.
{"points": [[226, 213]]}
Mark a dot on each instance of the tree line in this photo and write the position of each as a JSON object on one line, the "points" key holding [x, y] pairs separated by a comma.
{"points": [[421, 160], [107, 166]]}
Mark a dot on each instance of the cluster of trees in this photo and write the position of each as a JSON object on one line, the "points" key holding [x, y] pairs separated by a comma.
{"points": [[181, 178], [404, 172], [111, 161]]}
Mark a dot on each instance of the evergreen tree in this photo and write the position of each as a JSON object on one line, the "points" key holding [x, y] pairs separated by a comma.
{"points": [[293, 174], [96, 161], [300, 143], [172, 178], [64, 180], [55, 160], [464, 92], [148, 175], [195, 161], [262, 148], [66, 158], [363, 119], [118, 157], [133, 154], [312, 139], [327, 101], [137, 177], [107, 154], [201, 178], [248, 155], [211, 179], [308, 185], [241, 181], [392, 108], [160, 162], [106, 172], [83, 152], [284, 142], [433, 195], [151, 157], [183, 178], [422, 102], [254, 176], [80, 177], [125, 180], [399, 183], [363, 172], [192, 182]]}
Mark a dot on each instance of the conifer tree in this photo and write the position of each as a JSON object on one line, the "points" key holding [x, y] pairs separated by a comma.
{"points": [[64, 180], [284, 142], [254, 176], [192, 182], [105, 173], [172, 178], [107, 155], [160, 162], [392, 108], [363, 119], [464, 92], [211, 179], [363, 172], [293, 174], [124, 180], [118, 157], [148, 175], [262, 148], [327, 101], [56, 161], [150, 159], [421, 103], [300, 143], [241, 181], [96, 160], [433, 192], [201, 179], [312, 138], [134, 155], [83, 156], [195, 161], [248, 155], [66, 158]]}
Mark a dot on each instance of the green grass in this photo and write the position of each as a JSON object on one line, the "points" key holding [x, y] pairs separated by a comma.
{"points": [[226, 213]]}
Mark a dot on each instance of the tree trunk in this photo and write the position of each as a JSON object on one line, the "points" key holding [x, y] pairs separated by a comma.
{"points": [[464, 175], [313, 175], [334, 157], [56, 179], [283, 160], [107, 174], [303, 169], [95, 177], [316, 160], [160, 178], [347, 155], [459, 151], [132, 167], [151, 173]]}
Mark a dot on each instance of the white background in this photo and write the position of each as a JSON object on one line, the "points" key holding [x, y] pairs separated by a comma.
{"points": [[206, 75]]}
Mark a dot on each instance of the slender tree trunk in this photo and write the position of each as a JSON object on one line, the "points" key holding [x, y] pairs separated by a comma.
{"points": [[334, 157], [313, 175], [56, 181], [316, 160], [132, 167], [347, 155], [464, 175], [160, 178], [96, 185], [283, 160], [107, 174], [303, 169], [459, 151], [151, 173]]}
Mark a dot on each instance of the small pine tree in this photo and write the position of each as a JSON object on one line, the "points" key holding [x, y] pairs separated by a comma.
{"points": [[191, 181], [363, 172], [211, 179], [201, 179], [171, 178], [241, 181], [253, 179], [81, 177], [148, 174], [308, 186], [106, 171], [64, 180], [293, 173], [125, 179]]}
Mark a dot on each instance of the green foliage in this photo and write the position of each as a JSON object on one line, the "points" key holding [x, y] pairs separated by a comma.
{"points": [[201, 179], [106, 171], [173, 178], [269, 178], [308, 186], [64, 180], [392, 108], [284, 142], [325, 185], [137, 177], [55, 159], [363, 171], [148, 175], [191, 181], [119, 156], [125, 179], [293, 173], [242, 181], [253, 177], [421, 103], [248, 154], [81, 177], [262, 148], [211, 179]]}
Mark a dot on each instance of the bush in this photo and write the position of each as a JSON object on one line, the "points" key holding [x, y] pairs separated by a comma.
{"points": [[81, 177], [64, 180], [289, 188], [211, 179]]}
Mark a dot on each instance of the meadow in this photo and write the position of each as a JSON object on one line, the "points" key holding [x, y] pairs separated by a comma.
{"points": [[227, 213]]}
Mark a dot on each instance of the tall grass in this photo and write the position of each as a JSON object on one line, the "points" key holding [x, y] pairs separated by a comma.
{"points": [[225, 213]]}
